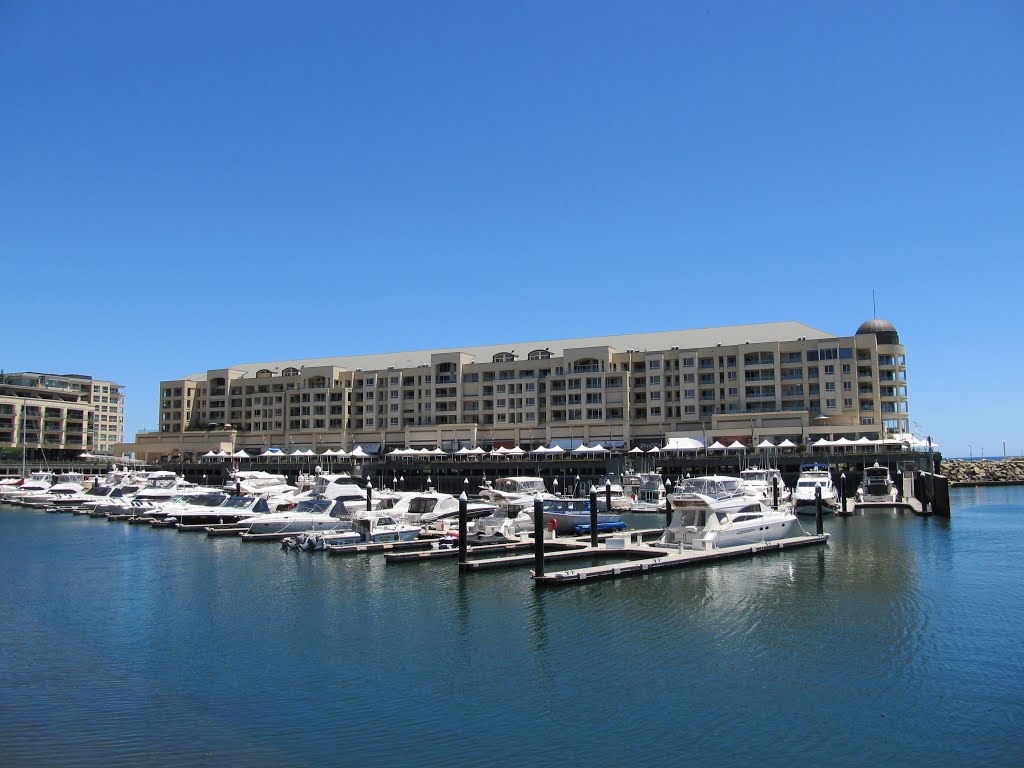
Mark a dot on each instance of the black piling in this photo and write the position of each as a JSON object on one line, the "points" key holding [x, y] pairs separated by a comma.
{"points": [[819, 525], [899, 485], [593, 516], [775, 493], [842, 491], [668, 502], [463, 527], [538, 537], [608, 496], [369, 495]]}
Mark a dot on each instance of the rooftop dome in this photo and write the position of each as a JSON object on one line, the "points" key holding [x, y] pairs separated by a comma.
{"points": [[883, 330]]}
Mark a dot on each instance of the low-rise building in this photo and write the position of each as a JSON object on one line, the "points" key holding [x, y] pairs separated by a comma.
{"points": [[748, 383]]}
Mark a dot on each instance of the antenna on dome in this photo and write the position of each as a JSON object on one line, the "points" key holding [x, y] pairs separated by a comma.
{"points": [[874, 306]]}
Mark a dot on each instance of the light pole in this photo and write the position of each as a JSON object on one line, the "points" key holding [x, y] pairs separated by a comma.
{"points": [[555, 485]]}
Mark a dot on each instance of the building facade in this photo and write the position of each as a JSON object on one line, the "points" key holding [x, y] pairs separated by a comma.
{"points": [[55, 412], [746, 383]]}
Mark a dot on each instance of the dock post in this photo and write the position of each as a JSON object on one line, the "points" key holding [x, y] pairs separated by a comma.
{"points": [[842, 490], [899, 485], [538, 536], [608, 496], [668, 502], [819, 526], [369, 495], [775, 493], [593, 515], [463, 527]]}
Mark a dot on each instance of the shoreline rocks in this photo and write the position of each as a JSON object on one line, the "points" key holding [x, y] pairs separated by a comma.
{"points": [[978, 471]]}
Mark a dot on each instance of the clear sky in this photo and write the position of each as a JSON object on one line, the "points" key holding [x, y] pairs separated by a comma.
{"points": [[187, 185]]}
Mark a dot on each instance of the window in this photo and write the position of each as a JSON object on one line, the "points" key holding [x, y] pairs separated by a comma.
{"points": [[688, 362], [537, 354], [504, 357], [688, 378], [847, 368], [830, 370], [847, 402], [830, 402], [830, 386], [654, 364]]}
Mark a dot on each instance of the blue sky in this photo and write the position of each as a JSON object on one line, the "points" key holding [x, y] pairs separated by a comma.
{"points": [[188, 185]]}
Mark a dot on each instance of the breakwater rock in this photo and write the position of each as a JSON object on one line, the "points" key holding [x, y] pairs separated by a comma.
{"points": [[984, 470]]}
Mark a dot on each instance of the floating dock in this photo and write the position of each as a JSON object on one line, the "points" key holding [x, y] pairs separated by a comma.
{"points": [[645, 559]]}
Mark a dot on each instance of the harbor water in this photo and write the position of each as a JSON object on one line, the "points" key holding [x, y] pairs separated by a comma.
{"points": [[898, 643]]}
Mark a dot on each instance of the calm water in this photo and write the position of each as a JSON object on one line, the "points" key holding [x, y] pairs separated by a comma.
{"points": [[900, 643]]}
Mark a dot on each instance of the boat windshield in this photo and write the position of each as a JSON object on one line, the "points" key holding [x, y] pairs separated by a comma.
{"points": [[421, 505], [716, 488], [98, 490], [162, 481], [313, 507], [755, 476], [236, 502]]}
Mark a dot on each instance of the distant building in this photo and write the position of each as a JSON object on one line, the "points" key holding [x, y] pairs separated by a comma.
{"points": [[747, 383], [60, 412]]}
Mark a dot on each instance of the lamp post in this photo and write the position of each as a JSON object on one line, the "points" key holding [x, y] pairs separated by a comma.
{"points": [[429, 481], [575, 488], [555, 485], [401, 482]]}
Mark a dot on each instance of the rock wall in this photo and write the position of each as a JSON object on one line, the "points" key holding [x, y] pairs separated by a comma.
{"points": [[984, 471]]}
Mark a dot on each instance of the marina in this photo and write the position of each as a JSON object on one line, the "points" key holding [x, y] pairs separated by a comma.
{"points": [[140, 595]]}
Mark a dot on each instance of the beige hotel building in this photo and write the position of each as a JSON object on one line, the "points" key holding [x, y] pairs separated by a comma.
{"points": [[60, 413], [747, 383]]}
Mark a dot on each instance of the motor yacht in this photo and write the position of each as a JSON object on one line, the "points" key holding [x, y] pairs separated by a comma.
{"points": [[515, 494], [761, 483], [310, 515], [258, 483], [813, 476], [66, 484], [231, 510], [37, 483], [876, 486], [650, 494], [714, 511]]}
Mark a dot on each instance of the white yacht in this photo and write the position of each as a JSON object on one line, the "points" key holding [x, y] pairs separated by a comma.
{"points": [[310, 515], [713, 511], [761, 483], [66, 484], [231, 510], [876, 486], [430, 507], [620, 501], [37, 483], [515, 494], [650, 494], [814, 476], [258, 483]]}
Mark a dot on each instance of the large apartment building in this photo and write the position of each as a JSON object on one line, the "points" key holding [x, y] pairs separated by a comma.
{"points": [[749, 382], [60, 412]]}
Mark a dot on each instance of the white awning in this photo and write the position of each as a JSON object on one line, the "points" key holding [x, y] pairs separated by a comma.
{"points": [[766, 443], [683, 444]]}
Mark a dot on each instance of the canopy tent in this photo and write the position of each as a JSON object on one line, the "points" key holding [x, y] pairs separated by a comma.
{"points": [[682, 444], [655, 449], [477, 451], [787, 443], [843, 442], [273, 453], [716, 446], [865, 441], [297, 452], [540, 451], [821, 442], [736, 445], [210, 455], [517, 451], [566, 443], [240, 454], [463, 451], [222, 454], [438, 452], [766, 445], [636, 450], [359, 453], [555, 449]]}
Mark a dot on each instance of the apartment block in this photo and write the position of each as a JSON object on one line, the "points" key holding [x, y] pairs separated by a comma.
{"points": [[749, 382]]}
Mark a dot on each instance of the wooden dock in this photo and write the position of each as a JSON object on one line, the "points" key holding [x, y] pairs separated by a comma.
{"points": [[645, 559], [384, 546], [907, 505]]}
